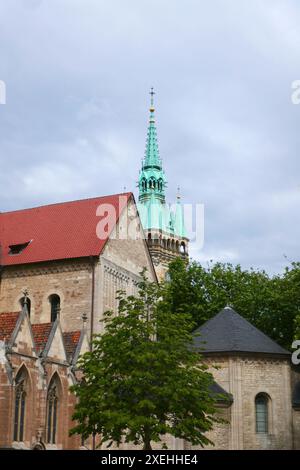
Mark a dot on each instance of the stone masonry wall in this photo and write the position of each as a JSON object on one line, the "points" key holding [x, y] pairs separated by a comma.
{"points": [[71, 280], [244, 378]]}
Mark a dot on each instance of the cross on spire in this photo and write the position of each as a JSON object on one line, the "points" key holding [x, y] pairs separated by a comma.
{"points": [[152, 93]]}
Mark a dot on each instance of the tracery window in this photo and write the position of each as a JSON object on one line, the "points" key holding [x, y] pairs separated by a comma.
{"points": [[20, 406], [52, 408]]}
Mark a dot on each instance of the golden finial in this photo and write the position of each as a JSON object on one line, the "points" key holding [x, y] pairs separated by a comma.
{"points": [[152, 93]]}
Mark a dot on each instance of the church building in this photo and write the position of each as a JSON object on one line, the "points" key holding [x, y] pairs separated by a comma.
{"points": [[61, 266]]}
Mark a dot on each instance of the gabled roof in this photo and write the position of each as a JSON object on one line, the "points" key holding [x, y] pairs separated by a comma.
{"points": [[57, 231], [71, 340], [229, 332], [41, 334], [8, 322]]}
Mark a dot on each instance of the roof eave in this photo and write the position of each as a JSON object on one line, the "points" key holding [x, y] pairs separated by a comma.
{"points": [[246, 353]]}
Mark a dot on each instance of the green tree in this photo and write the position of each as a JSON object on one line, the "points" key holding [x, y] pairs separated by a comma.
{"points": [[142, 379], [271, 303]]}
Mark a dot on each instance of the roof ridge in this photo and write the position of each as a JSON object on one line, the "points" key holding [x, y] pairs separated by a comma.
{"points": [[65, 202]]}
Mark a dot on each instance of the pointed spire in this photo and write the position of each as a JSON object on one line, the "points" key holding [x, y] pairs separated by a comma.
{"points": [[152, 178], [179, 217], [152, 158]]}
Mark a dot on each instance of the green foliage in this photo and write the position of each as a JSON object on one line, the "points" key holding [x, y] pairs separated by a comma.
{"points": [[272, 304], [142, 380]]}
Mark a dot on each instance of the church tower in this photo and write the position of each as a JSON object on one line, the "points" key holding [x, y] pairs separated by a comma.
{"points": [[163, 225]]}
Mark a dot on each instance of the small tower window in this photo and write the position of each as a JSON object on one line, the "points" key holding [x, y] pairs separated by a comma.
{"points": [[182, 248], [261, 413], [54, 300]]}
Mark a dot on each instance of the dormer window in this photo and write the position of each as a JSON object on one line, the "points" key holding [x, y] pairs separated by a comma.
{"points": [[18, 248]]}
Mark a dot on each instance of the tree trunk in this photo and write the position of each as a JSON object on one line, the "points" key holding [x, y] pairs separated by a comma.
{"points": [[147, 443]]}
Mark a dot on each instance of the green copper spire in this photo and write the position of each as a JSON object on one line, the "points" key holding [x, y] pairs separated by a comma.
{"points": [[154, 212], [152, 179], [152, 158]]}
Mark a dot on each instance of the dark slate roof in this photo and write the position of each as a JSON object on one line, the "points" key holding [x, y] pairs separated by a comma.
{"points": [[229, 332], [217, 390]]}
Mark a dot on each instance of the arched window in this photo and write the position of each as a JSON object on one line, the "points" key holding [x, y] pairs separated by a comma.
{"points": [[54, 300], [262, 413], [52, 411], [20, 405], [22, 302], [182, 248]]}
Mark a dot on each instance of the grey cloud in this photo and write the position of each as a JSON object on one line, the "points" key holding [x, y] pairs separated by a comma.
{"points": [[78, 75]]}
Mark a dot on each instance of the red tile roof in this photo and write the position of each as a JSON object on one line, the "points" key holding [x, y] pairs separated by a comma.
{"points": [[41, 333], [8, 323], [71, 340], [56, 231]]}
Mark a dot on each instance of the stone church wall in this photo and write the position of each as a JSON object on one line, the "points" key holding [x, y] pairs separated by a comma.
{"points": [[244, 378], [71, 280]]}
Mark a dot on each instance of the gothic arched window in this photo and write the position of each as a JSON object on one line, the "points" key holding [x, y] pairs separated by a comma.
{"points": [[52, 412], [20, 406], [28, 301], [54, 300], [262, 413]]}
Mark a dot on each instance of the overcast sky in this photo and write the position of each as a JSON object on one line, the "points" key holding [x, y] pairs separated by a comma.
{"points": [[78, 74]]}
